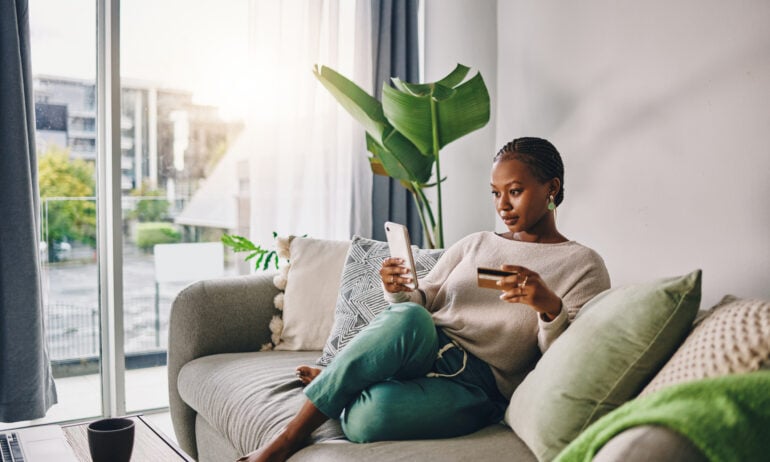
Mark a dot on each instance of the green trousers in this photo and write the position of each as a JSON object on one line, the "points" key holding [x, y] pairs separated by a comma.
{"points": [[402, 378]]}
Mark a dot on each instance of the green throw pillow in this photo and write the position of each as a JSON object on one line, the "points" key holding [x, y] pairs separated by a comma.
{"points": [[618, 341]]}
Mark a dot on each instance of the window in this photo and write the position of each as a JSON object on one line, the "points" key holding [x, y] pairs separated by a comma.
{"points": [[200, 132], [175, 127], [171, 136], [63, 40]]}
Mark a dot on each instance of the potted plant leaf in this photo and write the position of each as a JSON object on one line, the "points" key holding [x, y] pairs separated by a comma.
{"points": [[262, 257], [414, 121]]}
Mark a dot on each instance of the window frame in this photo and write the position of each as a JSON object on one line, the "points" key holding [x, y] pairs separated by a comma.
{"points": [[109, 208]]}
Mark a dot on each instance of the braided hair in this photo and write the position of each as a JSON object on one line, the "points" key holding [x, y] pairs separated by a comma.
{"points": [[542, 158]]}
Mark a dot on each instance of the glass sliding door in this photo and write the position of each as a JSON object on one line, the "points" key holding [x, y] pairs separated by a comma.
{"points": [[139, 183], [63, 49], [184, 70], [180, 113]]}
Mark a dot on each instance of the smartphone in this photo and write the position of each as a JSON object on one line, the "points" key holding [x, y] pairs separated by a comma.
{"points": [[488, 277], [398, 241]]}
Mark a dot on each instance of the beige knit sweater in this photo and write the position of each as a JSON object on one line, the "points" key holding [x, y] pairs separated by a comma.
{"points": [[510, 337]]}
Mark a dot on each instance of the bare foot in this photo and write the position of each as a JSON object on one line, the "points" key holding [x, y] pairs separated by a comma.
{"points": [[292, 438], [306, 374], [278, 450]]}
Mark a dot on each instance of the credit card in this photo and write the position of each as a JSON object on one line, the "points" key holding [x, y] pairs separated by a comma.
{"points": [[488, 277]]}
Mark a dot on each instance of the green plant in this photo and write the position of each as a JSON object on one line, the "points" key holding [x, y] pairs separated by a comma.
{"points": [[242, 244], [67, 199], [151, 233], [405, 132], [152, 205]]}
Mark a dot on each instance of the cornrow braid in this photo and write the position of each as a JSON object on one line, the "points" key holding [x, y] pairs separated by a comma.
{"points": [[541, 157]]}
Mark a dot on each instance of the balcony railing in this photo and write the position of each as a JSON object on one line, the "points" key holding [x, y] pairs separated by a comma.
{"points": [[71, 309], [72, 331], [72, 334]]}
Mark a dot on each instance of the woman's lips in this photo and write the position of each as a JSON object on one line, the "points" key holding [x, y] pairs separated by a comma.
{"points": [[510, 220]]}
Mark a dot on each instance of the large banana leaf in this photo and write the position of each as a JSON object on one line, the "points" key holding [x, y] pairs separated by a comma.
{"points": [[415, 110], [411, 116], [405, 132], [465, 111], [399, 158], [362, 106], [398, 149], [392, 152], [422, 89], [455, 77]]}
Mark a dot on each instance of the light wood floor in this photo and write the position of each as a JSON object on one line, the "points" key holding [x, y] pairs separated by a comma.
{"points": [[79, 399]]}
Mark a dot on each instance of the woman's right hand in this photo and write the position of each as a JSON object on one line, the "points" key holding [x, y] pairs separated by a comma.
{"points": [[394, 275]]}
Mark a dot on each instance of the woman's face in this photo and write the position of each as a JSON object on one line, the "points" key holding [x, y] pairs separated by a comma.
{"points": [[521, 200]]}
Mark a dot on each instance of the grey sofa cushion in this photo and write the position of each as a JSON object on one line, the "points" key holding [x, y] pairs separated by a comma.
{"points": [[249, 397], [489, 444], [244, 399]]}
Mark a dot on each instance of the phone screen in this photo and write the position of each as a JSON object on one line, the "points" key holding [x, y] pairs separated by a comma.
{"points": [[398, 241]]}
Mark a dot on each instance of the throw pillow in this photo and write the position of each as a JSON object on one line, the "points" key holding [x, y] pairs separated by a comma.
{"points": [[360, 293], [311, 285], [618, 341], [734, 338]]}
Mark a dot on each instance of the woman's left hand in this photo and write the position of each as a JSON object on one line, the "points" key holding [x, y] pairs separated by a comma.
{"points": [[526, 286]]}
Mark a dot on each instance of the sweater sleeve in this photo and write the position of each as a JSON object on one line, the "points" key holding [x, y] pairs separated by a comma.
{"points": [[548, 331], [591, 278]]}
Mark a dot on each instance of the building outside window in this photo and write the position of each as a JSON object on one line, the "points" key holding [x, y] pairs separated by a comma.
{"points": [[170, 142], [219, 132]]}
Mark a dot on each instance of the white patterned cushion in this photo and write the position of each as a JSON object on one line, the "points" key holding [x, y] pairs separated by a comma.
{"points": [[734, 338], [360, 298]]}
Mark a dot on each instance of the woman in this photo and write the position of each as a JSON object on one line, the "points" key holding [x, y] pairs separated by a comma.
{"points": [[443, 360]]}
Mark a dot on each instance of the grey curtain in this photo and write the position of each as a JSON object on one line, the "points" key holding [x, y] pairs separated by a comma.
{"points": [[26, 385], [395, 43]]}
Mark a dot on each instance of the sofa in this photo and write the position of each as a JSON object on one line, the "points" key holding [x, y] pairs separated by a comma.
{"points": [[234, 344]]}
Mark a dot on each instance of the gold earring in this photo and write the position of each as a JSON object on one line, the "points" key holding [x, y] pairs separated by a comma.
{"points": [[551, 203]]}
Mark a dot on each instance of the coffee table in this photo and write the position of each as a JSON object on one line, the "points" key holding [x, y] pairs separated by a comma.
{"points": [[150, 444]]}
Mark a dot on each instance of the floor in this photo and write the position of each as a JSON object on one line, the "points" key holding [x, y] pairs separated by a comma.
{"points": [[80, 399]]}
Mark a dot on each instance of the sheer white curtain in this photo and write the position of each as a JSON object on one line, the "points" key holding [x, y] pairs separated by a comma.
{"points": [[307, 159]]}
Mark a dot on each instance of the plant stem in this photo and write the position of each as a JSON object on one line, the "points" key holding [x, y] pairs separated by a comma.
{"points": [[439, 230], [418, 199], [429, 211], [431, 230]]}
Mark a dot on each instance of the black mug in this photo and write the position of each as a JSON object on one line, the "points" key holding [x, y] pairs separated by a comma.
{"points": [[111, 440]]}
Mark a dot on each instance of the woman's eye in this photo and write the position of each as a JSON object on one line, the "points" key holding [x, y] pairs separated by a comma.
{"points": [[495, 193], [514, 192]]}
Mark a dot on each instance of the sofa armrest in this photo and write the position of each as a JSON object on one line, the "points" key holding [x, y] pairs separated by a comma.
{"points": [[225, 315], [649, 442]]}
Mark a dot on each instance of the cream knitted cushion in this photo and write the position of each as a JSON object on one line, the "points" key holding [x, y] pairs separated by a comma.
{"points": [[311, 286], [734, 338]]}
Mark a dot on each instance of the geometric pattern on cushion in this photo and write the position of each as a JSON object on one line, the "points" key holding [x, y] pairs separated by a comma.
{"points": [[734, 338], [619, 340], [360, 296]]}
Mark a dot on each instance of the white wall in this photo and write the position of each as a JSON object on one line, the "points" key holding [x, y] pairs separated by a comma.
{"points": [[662, 113], [464, 31]]}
